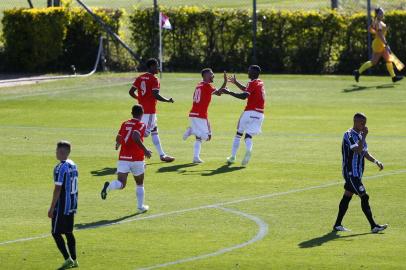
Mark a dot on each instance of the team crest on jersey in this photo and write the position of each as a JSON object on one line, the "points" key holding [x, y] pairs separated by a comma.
{"points": [[361, 188]]}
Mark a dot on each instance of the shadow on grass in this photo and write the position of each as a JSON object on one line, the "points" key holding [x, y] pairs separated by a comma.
{"points": [[223, 169], [333, 235], [104, 171], [105, 222], [176, 168], [356, 88]]}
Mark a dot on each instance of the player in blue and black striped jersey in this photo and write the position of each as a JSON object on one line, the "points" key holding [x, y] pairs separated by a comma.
{"points": [[354, 151], [64, 204]]}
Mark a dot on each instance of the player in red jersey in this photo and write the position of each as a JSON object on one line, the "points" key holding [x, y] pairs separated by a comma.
{"points": [[147, 87], [251, 119], [199, 123], [131, 157]]}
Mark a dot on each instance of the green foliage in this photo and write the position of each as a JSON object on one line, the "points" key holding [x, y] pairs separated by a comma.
{"points": [[54, 38], [287, 42]]}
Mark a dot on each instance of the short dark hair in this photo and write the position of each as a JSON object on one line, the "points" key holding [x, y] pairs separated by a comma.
{"points": [[64, 144], [360, 115], [152, 62], [256, 68], [137, 110], [206, 70]]}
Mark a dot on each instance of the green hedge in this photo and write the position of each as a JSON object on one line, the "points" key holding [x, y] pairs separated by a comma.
{"points": [[53, 38], [287, 42]]}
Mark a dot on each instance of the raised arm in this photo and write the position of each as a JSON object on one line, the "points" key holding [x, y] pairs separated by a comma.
{"points": [[161, 98], [234, 80], [219, 91]]}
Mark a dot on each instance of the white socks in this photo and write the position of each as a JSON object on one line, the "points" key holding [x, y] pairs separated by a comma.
{"points": [[157, 143], [197, 148], [248, 144], [140, 192], [114, 185], [236, 145]]}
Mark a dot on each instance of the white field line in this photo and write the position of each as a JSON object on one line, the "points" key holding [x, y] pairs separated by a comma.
{"points": [[59, 91], [265, 196], [261, 233]]}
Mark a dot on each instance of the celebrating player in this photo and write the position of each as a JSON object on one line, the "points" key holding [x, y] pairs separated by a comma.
{"points": [[380, 47], [354, 150], [199, 123], [147, 86], [64, 204], [251, 119], [131, 157]]}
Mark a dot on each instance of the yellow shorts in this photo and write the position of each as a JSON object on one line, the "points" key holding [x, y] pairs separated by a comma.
{"points": [[378, 46]]}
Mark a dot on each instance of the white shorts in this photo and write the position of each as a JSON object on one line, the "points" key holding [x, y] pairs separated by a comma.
{"points": [[135, 167], [200, 127], [250, 122], [150, 121]]}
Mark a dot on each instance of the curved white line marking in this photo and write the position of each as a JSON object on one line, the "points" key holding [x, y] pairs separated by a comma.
{"points": [[265, 196], [262, 232]]}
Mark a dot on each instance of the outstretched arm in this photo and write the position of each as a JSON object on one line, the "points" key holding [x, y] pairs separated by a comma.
{"points": [[161, 98], [132, 92], [243, 95], [369, 157], [234, 80], [219, 91]]}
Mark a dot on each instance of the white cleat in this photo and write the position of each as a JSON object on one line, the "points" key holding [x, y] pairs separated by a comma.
{"points": [[379, 228], [231, 160], [187, 133], [197, 160], [143, 209], [246, 159], [341, 228]]}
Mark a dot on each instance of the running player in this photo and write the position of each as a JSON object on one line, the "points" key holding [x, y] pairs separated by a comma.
{"points": [[251, 119], [354, 151], [380, 47], [64, 204], [199, 123], [147, 87], [131, 157]]}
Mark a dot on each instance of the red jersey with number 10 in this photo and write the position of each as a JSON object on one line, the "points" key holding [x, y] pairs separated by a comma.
{"points": [[129, 150], [202, 99], [256, 98], [145, 83]]}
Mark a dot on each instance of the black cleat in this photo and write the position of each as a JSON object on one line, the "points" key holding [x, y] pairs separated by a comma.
{"points": [[379, 228], [356, 75], [397, 78], [103, 193]]}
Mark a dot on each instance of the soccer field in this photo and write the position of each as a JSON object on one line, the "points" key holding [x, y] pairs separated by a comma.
{"points": [[276, 213]]}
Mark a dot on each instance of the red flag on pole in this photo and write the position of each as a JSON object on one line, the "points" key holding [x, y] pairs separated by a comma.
{"points": [[165, 23]]}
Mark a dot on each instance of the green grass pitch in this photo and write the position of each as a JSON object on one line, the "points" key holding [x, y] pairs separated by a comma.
{"points": [[277, 213]]}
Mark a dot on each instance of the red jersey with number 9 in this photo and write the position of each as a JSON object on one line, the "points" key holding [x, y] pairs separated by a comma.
{"points": [[145, 83], [256, 98], [129, 150], [201, 100]]}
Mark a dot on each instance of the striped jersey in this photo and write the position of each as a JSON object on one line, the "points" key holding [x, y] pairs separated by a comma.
{"points": [[66, 175], [353, 163]]}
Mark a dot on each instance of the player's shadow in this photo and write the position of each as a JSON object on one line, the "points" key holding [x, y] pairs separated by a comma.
{"points": [[180, 168], [356, 88], [104, 172], [223, 169], [105, 222], [333, 235]]}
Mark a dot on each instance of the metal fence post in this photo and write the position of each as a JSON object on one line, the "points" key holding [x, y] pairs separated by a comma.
{"points": [[254, 30], [156, 23]]}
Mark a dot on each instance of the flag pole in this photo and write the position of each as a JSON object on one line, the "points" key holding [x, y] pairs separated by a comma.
{"points": [[160, 44]]}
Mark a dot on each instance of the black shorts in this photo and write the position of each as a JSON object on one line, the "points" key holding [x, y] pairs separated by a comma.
{"points": [[354, 185], [62, 224]]}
